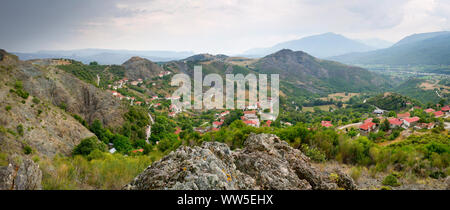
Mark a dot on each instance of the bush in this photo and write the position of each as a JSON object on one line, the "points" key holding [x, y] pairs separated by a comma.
{"points": [[27, 150], [355, 173], [88, 145], [391, 180], [7, 108], [313, 153], [20, 130], [36, 100]]}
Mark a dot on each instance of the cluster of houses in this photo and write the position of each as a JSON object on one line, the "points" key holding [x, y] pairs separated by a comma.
{"points": [[124, 81], [164, 73], [250, 118], [405, 120]]}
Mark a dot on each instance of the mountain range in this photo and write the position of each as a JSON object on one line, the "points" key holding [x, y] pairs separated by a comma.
{"points": [[104, 56], [417, 49], [322, 46]]}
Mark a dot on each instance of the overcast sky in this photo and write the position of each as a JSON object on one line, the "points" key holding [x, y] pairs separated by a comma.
{"points": [[213, 26]]}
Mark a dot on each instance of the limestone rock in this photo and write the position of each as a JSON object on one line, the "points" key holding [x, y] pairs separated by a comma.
{"points": [[265, 162]]}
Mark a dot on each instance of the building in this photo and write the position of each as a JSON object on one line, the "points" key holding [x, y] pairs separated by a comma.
{"points": [[395, 122], [252, 123], [225, 113], [438, 114], [217, 124], [429, 110], [378, 111], [425, 125], [367, 127], [403, 115], [408, 122], [326, 124], [446, 108]]}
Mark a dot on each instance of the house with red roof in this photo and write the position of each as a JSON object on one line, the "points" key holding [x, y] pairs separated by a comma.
{"points": [[368, 120], [326, 124], [446, 108], [407, 122], [403, 115], [217, 124], [138, 150], [425, 125], [429, 110], [178, 131], [252, 123], [395, 122], [438, 114], [367, 127]]}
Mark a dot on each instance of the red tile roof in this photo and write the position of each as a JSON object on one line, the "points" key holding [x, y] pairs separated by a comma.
{"points": [[429, 110], [395, 121], [250, 112], [138, 150], [326, 124], [250, 122], [403, 115], [412, 119], [178, 131], [217, 123], [446, 108], [368, 120], [438, 113], [367, 125]]}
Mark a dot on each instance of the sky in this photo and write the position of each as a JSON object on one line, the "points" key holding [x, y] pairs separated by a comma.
{"points": [[207, 26]]}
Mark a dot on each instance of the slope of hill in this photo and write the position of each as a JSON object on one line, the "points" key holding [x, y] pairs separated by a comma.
{"points": [[141, 68], [45, 80], [29, 122], [316, 75], [413, 88], [391, 101], [428, 48], [322, 46]]}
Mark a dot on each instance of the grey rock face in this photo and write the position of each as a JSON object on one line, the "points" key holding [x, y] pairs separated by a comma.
{"points": [[265, 162], [27, 176]]}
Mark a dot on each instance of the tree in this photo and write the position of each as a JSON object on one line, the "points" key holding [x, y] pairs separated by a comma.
{"points": [[385, 125], [88, 145], [122, 143]]}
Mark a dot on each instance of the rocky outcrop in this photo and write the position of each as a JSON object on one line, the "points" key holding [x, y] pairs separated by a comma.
{"points": [[265, 163], [25, 176]]}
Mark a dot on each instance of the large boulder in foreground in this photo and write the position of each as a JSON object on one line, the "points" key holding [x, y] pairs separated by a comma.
{"points": [[25, 176], [265, 163]]}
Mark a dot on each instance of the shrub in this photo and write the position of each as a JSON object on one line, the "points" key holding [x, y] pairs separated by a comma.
{"points": [[391, 180], [88, 145], [355, 173], [313, 153], [20, 129], [7, 108], [27, 150], [36, 100]]}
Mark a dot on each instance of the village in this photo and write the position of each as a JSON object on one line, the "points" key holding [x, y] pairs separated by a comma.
{"points": [[252, 112]]}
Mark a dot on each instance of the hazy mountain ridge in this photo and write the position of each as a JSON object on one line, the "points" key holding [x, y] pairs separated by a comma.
{"points": [[428, 48], [104, 56], [322, 46]]}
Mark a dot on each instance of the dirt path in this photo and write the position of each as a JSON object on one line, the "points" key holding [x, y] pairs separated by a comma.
{"points": [[349, 125]]}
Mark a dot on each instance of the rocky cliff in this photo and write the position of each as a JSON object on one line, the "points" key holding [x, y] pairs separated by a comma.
{"points": [[23, 176], [265, 163]]}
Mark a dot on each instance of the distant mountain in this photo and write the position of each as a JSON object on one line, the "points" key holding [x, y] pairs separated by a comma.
{"points": [[105, 56], [427, 48], [322, 46], [376, 43], [317, 75]]}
